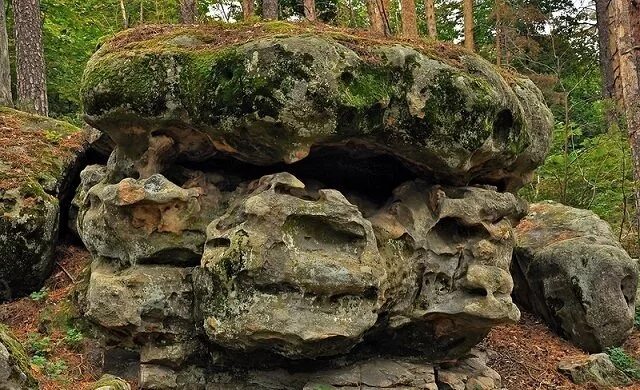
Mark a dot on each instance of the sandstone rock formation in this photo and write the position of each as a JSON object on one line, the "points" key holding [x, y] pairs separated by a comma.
{"points": [[38, 158], [594, 369], [303, 199], [15, 373], [571, 270]]}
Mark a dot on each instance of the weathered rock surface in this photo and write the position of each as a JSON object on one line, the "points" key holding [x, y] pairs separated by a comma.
{"points": [[471, 373], [110, 382], [145, 221], [570, 269], [145, 301], [191, 93], [449, 251], [15, 373], [38, 158], [292, 207], [596, 369], [293, 274]]}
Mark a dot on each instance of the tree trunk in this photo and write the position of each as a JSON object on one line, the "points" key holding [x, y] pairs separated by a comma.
{"points": [[467, 9], [409, 20], [30, 70], [499, 31], [125, 19], [310, 10], [627, 36], [188, 11], [247, 9], [606, 66], [430, 14], [374, 8], [270, 9], [5, 69]]}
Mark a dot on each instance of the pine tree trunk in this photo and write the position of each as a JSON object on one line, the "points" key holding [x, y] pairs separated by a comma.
{"points": [[467, 9], [270, 9], [627, 36], [188, 11], [310, 10], [5, 69], [499, 31], [430, 14], [247, 9], [374, 9], [409, 19], [606, 66], [30, 70]]}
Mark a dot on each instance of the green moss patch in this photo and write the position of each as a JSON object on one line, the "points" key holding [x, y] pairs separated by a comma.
{"points": [[34, 150]]}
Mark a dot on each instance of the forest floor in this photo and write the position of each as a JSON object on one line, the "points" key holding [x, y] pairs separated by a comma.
{"points": [[524, 354]]}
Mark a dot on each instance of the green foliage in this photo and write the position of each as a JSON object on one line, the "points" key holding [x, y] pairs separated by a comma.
{"points": [[73, 338], [39, 345], [624, 362], [40, 295], [52, 369], [636, 317], [595, 173]]}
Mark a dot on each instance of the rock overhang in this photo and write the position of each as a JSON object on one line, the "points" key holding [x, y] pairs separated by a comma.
{"points": [[277, 92]]}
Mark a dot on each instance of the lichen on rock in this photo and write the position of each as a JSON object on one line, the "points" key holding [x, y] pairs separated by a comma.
{"points": [[571, 270], [284, 196]]}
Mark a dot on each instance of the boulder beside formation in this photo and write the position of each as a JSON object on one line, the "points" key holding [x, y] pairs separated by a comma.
{"points": [[570, 269], [38, 158]]}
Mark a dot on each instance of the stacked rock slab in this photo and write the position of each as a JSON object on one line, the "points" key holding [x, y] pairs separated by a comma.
{"points": [[298, 198], [571, 270]]}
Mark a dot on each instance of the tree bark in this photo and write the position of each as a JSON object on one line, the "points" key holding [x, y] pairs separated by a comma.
{"points": [[310, 10], [30, 70], [627, 37], [606, 66], [499, 31], [409, 19], [123, 11], [375, 16], [270, 9], [247, 9], [467, 9], [430, 14], [188, 11], [5, 68]]}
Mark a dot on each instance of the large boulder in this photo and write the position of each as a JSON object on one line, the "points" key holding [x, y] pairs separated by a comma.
{"points": [[279, 92], [290, 206], [287, 271], [145, 221], [571, 270], [38, 160]]}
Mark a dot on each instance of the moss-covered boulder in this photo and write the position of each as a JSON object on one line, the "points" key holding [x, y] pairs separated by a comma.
{"points": [[570, 269], [110, 382], [14, 364], [278, 92], [38, 157]]}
